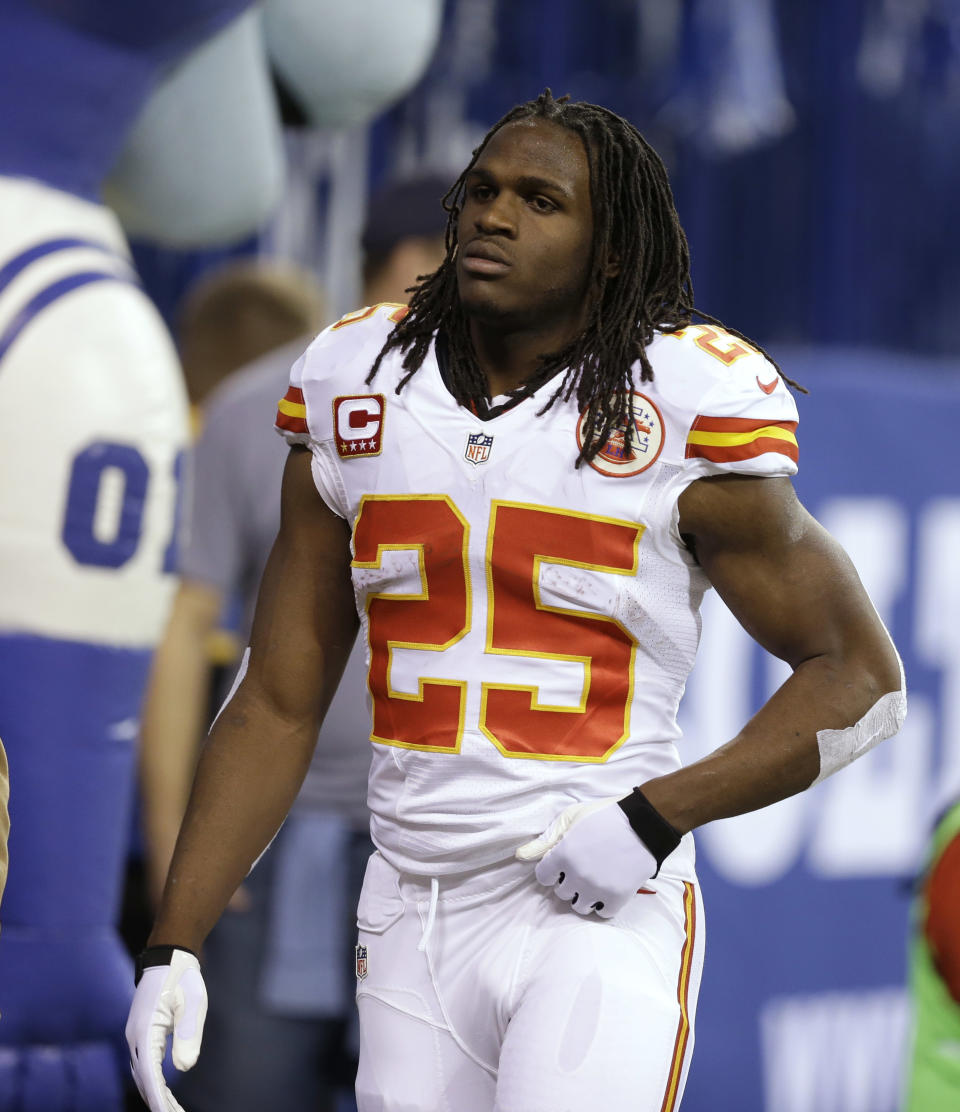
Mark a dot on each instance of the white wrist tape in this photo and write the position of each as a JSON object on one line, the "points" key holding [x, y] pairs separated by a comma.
{"points": [[839, 748]]}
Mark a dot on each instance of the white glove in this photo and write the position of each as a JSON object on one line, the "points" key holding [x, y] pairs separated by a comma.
{"points": [[590, 856], [169, 999]]}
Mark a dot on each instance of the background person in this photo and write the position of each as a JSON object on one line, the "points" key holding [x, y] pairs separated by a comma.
{"points": [[932, 1079], [4, 817], [402, 238], [237, 312], [231, 317]]}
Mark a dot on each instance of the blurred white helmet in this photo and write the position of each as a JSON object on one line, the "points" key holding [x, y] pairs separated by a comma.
{"points": [[204, 164], [346, 62]]}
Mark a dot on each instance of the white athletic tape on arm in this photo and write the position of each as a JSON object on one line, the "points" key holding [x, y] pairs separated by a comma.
{"points": [[839, 748], [237, 680]]}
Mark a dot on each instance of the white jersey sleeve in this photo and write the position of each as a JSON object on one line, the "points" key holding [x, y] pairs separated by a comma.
{"points": [[740, 416], [328, 407], [732, 409]]}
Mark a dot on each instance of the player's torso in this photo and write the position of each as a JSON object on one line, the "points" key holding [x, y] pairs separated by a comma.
{"points": [[530, 623]]}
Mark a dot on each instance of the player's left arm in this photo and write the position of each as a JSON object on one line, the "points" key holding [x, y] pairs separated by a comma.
{"points": [[795, 591]]}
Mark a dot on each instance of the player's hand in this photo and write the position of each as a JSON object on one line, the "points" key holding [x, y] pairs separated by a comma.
{"points": [[591, 857], [170, 998]]}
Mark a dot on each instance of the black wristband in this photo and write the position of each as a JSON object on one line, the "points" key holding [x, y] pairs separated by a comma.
{"points": [[155, 955], [650, 826]]}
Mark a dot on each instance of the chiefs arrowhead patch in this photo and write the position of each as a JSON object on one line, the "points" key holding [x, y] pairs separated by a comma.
{"points": [[614, 458]]}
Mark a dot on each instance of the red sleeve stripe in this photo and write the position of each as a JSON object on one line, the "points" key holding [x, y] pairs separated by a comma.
{"points": [[737, 424], [291, 411], [731, 439]]}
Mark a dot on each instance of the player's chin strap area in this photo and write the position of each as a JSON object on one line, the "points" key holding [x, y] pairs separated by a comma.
{"points": [[431, 916]]}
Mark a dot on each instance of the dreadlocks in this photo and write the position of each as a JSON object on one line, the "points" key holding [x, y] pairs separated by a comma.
{"points": [[635, 223]]}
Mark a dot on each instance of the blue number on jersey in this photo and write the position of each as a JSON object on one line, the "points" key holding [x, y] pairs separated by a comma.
{"points": [[86, 479]]}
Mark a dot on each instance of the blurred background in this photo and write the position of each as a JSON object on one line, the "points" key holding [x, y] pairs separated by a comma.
{"points": [[813, 154]]}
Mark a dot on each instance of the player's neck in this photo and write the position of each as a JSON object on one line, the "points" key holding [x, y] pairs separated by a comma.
{"points": [[509, 357]]}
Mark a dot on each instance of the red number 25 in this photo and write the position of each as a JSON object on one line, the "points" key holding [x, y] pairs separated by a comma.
{"points": [[520, 539]]}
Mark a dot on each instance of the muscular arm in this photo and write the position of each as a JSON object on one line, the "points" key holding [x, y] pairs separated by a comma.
{"points": [[793, 588], [260, 747]]}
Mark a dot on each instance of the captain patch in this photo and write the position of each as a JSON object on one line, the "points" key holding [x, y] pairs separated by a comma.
{"points": [[358, 425]]}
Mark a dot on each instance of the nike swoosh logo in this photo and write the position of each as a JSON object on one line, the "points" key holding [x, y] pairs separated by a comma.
{"points": [[768, 387]]}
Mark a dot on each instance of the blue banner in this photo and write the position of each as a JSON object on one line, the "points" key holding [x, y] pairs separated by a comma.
{"points": [[802, 1007]]}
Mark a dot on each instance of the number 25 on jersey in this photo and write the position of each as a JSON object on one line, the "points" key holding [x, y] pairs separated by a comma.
{"points": [[520, 539]]}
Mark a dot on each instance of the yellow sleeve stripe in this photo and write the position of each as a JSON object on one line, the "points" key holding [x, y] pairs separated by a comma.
{"points": [[728, 439], [291, 409]]}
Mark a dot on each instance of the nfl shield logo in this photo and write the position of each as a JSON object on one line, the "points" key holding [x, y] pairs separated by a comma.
{"points": [[361, 952], [478, 447]]}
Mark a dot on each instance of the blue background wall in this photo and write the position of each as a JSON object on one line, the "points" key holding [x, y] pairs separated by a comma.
{"points": [[816, 178], [807, 902]]}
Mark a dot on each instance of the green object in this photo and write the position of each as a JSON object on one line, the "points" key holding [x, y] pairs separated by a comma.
{"points": [[933, 1079]]}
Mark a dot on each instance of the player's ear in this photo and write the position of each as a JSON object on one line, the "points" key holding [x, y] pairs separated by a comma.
{"points": [[612, 267]]}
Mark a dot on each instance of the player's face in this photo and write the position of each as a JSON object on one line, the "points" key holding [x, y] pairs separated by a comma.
{"points": [[526, 229]]}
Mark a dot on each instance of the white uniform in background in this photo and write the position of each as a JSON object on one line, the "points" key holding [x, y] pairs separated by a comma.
{"points": [[87, 515], [531, 625], [93, 419]]}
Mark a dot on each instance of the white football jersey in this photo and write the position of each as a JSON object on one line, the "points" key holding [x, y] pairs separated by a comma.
{"points": [[530, 624]]}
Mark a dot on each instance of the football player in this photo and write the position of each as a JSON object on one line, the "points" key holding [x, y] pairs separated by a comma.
{"points": [[519, 490]]}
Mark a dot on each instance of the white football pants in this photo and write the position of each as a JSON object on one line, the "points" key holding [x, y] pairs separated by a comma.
{"points": [[489, 994]]}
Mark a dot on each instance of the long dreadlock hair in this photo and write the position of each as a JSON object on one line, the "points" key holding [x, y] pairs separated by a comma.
{"points": [[635, 224]]}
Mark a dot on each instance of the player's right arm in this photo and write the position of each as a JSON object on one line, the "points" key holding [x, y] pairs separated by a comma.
{"points": [[250, 770], [258, 751]]}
